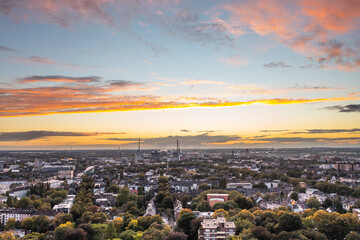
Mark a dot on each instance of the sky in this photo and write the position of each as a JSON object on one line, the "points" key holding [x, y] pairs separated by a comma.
{"points": [[100, 74]]}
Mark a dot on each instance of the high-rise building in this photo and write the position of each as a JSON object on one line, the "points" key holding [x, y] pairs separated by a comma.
{"points": [[216, 229], [38, 163]]}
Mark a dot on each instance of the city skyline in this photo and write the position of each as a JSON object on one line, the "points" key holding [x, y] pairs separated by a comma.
{"points": [[214, 74]]}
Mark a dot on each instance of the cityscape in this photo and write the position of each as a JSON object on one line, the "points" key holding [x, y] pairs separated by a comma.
{"points": [[179, 120]]}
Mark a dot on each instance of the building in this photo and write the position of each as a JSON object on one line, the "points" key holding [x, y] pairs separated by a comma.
{"points": [[213, 198], [89, 170], [65, 205], [67, 174], [21, 214], [38, 163], [216, 229], [2, 166]]}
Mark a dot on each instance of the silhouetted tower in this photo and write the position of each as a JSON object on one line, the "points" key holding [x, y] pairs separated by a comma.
{"points": [[177, 146], [139, 145]]}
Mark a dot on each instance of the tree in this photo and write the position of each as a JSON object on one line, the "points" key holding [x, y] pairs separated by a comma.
{"points": [[7, 236], [122, 197], [128, 235], [203, 206], [204, 187], [338, 205], [42, 223], [327, 203], [75, 234], [220, 213], [314, 235], [10, 201], [60, 231], [294, 196], [261, 233], [185, 199], [194, 227], [353, 236], [113, 188], [10, 224], [61, 218], [176, 236], [313, 202], [259, 185], [290, 222], [33, 236], [184, 221], [99, 231], [28, 224], [118, 224], [222, 183], [184, 210], [242, 224], [88, 230], [24, 202], [244, 202], [153, 234], [110, 231]]}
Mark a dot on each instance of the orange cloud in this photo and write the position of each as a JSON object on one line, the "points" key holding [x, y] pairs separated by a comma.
{"points": [[86, 98], [311, 28]]}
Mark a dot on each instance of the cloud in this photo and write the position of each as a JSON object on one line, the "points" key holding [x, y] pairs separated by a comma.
{"points": [[185, 141], [304, 139], [207, 131], [318, 30], [43, 60], [235, 61], [58, 78], [185, 130], [346, 108], [316, 131], [277, 130], [31, 135], [276, 65], [6, 49], [333, 130], [310, 88], [199, 81], [123, 15], [100, 97]]}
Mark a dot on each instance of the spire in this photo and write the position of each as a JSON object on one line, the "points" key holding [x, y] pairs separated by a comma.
{"points": [[139, 146], [177, 145]]}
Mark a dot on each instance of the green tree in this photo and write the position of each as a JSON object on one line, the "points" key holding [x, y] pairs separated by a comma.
{"points": [[28, 224], [110, 231], [220, 213], [259, 185], [313, 202], [60, 231], [261, 233], [176, 236], [204, 187], [294, 196], [353, 236], [184, 221], [290, 222], [128, 235], [24, 202], [203, 206], [327, 203], [61, 218], [42, 223], [10, 224], [122, 197], [10, 201], [75, 234]]}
